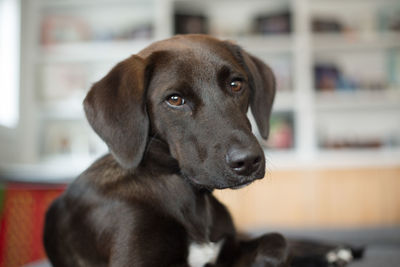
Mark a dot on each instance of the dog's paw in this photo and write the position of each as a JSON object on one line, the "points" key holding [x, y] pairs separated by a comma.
{"points": [[271, 251], [339, 257], [307, 253]]}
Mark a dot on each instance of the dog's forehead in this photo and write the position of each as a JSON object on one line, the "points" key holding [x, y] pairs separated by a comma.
{"points": [[194, 50], [191, 57]]}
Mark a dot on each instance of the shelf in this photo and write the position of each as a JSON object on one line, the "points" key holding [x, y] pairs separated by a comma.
{"points": [[284, 101], [338, 5], [334, 159], [293, 53], [359, 157], [91, 51], [65, 169], [281, 159], [323, 42], [274, 43], [90, 3], [358, 99], [118, 50], [63, 110], [52, 170]]}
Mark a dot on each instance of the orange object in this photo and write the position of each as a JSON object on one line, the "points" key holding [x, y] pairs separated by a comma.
{"points": [[22, 218]]}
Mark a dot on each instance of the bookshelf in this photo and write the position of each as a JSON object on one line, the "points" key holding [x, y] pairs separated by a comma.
{"points": [[68, 44]]}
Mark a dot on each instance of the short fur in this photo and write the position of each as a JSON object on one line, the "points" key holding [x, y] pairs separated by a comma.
{"points": [[147, 201]]}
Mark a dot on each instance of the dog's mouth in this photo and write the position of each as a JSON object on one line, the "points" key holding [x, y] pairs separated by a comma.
{"points": [[221, 181], [210, 187], [241, 185]]}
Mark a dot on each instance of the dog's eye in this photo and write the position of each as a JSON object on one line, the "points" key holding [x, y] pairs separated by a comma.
{"points": [[175, 100], [236, 85]]}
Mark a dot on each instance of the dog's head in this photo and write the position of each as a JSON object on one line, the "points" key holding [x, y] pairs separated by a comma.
{"points": [[192, 92]]}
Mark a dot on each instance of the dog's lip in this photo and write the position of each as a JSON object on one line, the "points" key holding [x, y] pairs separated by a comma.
{"points": [[238, 185], [210, 187], [248, 180], [232, 183], [241, 185]]}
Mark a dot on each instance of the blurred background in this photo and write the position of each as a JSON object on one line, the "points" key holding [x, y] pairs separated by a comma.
{"points": [[333, 156]]}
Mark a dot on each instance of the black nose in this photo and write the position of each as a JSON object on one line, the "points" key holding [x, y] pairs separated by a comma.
{"points": [[244, 161]]}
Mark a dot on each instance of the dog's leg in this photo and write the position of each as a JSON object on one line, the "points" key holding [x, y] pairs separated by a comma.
{"points": [[273, 250], [269, 250], [306, 253]]}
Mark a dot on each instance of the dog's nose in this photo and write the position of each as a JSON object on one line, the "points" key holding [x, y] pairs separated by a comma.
{"points": [[243, 161]]}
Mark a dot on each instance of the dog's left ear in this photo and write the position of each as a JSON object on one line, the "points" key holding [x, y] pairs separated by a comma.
{"points": [[262, 93], [263, 87]]}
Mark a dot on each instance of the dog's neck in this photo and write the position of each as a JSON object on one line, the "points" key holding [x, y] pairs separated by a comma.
{"points": [[158, 180], [158, 159], [157, 156]]}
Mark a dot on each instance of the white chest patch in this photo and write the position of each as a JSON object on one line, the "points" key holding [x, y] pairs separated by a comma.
{"points": [[201, 254]]}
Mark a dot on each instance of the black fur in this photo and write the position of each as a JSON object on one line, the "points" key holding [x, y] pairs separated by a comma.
{"points": [[147, 201]]}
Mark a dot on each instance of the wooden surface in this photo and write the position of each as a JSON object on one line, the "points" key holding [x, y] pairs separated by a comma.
{"points": [[318, 198]]}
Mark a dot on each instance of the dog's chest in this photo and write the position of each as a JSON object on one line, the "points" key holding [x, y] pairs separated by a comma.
{"points": [[201, 254]]}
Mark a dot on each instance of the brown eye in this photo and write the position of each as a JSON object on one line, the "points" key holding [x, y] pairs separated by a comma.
{"points": [[236, 85], [175, 100]]}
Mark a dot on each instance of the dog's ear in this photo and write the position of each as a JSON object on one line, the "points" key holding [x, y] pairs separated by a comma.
{"points": [[115, 108], [262, 93], [263, 87]]}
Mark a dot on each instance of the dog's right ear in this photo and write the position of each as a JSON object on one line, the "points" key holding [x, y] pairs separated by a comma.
{"points": [[115, 108]]}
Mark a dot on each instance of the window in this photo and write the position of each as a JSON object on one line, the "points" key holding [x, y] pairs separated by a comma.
{"points": [[9, 61]]}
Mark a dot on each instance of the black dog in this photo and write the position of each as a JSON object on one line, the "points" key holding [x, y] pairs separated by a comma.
{"points": [[174, 119]]}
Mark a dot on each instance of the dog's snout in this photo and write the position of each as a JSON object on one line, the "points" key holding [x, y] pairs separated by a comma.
{"points": [[243, 161]]}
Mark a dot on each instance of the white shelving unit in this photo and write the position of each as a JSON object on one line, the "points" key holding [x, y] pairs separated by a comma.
{"points": [[228, 19]]}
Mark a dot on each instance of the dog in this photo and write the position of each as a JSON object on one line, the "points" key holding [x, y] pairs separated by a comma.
{"points": [[174, 119]]}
